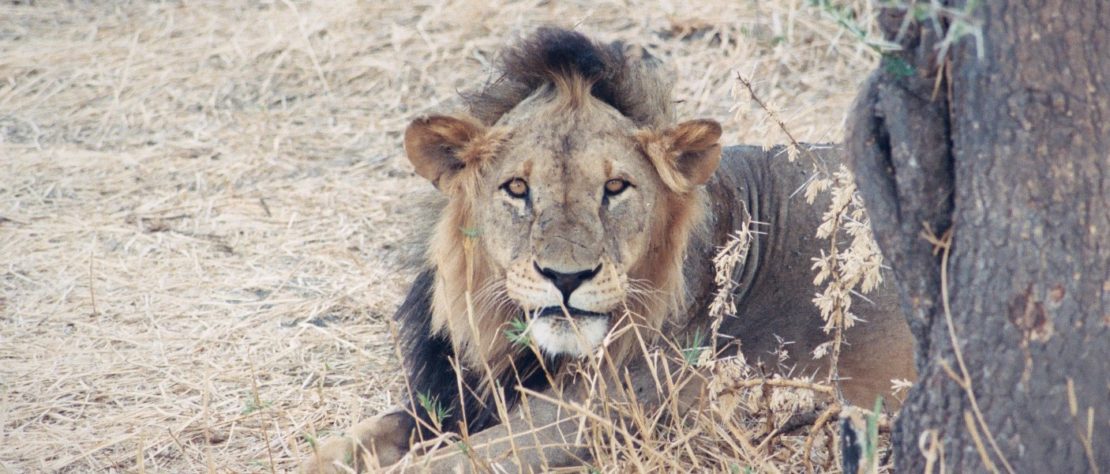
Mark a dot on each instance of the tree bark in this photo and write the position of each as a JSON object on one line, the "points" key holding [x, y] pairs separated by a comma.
{"points": [[999, 169]]}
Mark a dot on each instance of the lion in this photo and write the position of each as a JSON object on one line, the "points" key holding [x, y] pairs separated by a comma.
{"points": [[576, 208]]}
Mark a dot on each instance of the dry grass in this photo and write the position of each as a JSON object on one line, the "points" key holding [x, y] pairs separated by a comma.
{"points": [[203, 206]]}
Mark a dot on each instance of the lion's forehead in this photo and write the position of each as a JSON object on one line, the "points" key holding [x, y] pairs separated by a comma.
{"points": [[568, 139], [576, 163]]}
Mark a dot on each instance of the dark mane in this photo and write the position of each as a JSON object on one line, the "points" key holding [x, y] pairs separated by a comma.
{"points": [[627, 78], [432, 376], [554, 52]]}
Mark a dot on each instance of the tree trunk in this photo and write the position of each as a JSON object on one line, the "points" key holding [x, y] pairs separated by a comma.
{"points": [[988, 187]]}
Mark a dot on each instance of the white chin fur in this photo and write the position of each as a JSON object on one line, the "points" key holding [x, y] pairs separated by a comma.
{"points": [[554, 335]]}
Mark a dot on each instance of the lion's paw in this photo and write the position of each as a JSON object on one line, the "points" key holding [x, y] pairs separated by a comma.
{"points": [[375, 442]]}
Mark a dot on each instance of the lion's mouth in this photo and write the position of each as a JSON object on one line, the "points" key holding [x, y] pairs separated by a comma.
{"points": [[577, 335], [571, 311]]}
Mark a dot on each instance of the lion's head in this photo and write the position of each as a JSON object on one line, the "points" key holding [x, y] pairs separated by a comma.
{"points": [[571, 195]]}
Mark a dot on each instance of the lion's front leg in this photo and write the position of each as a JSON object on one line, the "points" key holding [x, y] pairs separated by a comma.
{"points": [[535, 439], [544, 432], [372, 443]]}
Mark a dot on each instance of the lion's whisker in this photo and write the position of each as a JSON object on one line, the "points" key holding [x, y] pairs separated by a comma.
{"points": [[486, 289], [503, 303], [489, 292], [641, 292]]}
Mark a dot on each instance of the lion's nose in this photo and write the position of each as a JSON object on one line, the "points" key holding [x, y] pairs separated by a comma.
{"points": [[567, 282]]}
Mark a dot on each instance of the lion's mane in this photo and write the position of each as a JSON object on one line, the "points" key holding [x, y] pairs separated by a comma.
{"points": [[445, 329]]}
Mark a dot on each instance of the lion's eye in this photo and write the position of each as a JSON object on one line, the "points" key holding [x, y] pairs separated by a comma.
{"points": [[516, 188], [614, 187]]}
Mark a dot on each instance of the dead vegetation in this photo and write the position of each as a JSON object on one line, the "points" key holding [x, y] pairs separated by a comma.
{"points": [[204, 207]]}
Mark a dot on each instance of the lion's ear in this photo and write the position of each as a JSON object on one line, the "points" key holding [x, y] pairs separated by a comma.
{"points": [[687, 154], [435, 145], [698, 146]]}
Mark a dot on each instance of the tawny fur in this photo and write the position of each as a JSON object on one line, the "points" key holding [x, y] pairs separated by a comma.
{"points": [[566, 115]]}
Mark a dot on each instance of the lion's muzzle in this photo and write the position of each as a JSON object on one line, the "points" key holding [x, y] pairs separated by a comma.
{"points": [[567, 282], [569, 331], [568, 311]]}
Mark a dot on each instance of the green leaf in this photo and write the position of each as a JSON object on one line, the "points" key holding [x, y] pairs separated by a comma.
{"points": [[871, 448], [517, 332], [434, 409], [694, 348], [471, 232], [897, 66], [251, 406]]}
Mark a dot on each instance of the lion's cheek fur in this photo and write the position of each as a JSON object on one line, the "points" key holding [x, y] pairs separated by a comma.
{"points": [[627, 230], [505, 233]]}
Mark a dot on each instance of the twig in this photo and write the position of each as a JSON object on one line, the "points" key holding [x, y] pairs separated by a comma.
{"points": [[791, 383], [833, 410], [978, 443], [308, 46], [944, 244], [931, 449], [177, 442], [139, 461], [782, 125], [92, 284], [258, 404], [1073, 408], [838, 311], [206, 398]]}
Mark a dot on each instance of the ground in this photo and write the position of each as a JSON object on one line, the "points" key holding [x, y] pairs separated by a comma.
{"points": [[204, 206]]}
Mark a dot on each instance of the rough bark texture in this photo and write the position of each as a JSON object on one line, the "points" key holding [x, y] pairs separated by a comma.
{"points": [[1010, 152]]}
